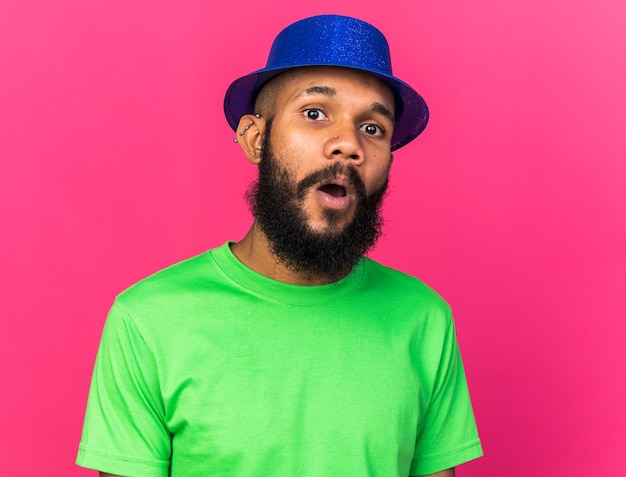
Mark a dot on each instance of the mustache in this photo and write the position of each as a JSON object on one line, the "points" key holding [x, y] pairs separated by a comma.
{"points": [[329, 173]]}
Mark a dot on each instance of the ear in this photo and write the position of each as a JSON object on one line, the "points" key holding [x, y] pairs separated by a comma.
{"points": [[390, 162], [250, 136]]}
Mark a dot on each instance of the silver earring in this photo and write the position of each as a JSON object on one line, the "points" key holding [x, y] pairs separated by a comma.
{"points": [[246, 128], [257, 115], [336, 137]]}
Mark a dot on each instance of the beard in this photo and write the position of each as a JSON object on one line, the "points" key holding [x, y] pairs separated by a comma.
{"points": [[276, 201]]}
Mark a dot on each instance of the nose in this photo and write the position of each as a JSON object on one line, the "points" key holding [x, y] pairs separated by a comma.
{"points": [[345, 144]]}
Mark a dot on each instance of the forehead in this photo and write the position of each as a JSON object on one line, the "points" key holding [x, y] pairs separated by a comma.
{"points": [[342, 80]]}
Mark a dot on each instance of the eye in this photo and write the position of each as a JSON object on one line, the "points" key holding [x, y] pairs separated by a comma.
{"points": [[372, 129], [314, 114]]}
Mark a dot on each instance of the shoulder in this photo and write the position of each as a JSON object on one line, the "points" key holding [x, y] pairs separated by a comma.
{"points": [[402, 286], [169, 279], [170, 287], [410, 306], [158, 306], [407, 299]]}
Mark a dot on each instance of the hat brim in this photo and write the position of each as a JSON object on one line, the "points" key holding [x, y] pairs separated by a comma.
{"points": [[411, 110]]}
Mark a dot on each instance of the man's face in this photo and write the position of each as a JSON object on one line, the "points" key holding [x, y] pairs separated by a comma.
{"points": [[318, 196], [323, 116]]}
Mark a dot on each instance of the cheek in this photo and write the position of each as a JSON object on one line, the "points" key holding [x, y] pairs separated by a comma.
{"points": [[373, 182], [378, 174], [293, 155], [291, 142], [298, 152], [380, 181]]}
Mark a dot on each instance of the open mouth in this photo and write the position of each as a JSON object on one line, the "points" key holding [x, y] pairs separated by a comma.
{"points": [[333, 189]]}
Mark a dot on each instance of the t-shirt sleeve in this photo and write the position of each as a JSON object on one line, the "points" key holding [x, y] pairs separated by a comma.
{"points": [[124, 430], [447, 434]]}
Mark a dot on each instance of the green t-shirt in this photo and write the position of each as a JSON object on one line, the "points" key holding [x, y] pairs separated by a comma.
{"points": [[210, 369]]}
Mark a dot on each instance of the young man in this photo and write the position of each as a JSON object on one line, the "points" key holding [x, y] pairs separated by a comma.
{"points": [[289, 353]]}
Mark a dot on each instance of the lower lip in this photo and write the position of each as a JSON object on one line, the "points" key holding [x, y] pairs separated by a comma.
{"points": [[332, 202]]}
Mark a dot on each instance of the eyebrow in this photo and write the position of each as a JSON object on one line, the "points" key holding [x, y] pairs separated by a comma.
{"points": [[330, 92], [381, 109], [325, 90]]}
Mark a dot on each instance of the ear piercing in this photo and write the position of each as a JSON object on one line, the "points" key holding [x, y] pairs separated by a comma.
{"points": [[335, 137], [247, 127]]}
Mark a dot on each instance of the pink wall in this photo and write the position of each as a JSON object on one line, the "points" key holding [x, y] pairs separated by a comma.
{"points": [[116, 160]]}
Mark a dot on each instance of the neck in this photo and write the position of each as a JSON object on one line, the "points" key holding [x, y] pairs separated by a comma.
{"points": [[255, 252]]}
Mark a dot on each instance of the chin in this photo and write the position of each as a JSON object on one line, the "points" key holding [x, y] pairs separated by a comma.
{"points": [[331, 223], [328, 228]]}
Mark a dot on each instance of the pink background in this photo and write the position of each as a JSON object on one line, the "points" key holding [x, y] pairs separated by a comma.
{"points": [[116, 160]]}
